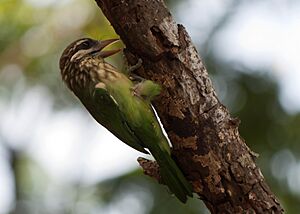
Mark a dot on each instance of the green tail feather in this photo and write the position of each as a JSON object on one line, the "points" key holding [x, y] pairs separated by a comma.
{"points": [[173, 177]]}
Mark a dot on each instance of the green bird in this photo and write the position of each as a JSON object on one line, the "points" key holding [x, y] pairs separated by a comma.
{"points": [[121, 105]]}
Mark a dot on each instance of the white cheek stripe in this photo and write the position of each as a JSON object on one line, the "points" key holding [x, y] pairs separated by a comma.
{"points": [[79, 54]]}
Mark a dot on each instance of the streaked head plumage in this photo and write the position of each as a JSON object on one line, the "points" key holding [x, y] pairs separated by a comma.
{"points": [[79, 50], [76, 50]]}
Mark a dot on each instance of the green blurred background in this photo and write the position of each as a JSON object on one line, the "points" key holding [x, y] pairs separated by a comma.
{"points": [[54, 158]]}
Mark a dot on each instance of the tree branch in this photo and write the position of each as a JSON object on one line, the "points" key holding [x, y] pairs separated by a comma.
{"points": [[205, 138]]}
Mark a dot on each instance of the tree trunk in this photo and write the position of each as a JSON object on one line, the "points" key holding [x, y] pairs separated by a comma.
{"points": [[205, 138]]}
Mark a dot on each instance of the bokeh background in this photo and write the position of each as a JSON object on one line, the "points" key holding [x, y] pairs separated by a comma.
{"points": [[54, 158]]}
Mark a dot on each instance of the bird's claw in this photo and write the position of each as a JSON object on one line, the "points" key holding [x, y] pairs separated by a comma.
{"points": [[136, 66]]}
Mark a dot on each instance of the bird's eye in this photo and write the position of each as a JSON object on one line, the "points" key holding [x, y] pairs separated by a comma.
{"points": [[85, 45]]}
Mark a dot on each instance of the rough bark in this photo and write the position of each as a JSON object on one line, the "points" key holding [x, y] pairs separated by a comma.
{"points": [[205, 138]]}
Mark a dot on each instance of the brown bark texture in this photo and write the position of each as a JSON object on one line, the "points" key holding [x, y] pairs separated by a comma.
{"points": [[205, 138]]}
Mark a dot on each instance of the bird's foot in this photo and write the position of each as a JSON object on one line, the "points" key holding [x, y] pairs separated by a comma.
{"points": [[135, 91], [133, 77], [136, 66]]}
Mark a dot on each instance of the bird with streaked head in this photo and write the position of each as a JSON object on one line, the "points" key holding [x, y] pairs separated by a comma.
{"points": [[121, 105]]}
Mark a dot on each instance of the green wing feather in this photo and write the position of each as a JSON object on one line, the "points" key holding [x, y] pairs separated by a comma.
{"points": [[147, 89], [140, 118], [112, 118], [132, 120]]}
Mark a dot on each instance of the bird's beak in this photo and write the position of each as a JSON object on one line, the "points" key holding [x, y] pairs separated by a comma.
{"points": [[102, 44]]}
